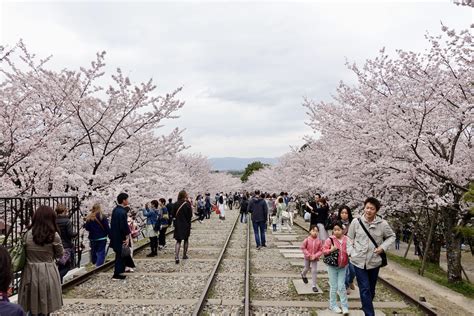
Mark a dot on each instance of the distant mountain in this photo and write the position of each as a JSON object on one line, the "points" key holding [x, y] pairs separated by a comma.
{"points": [[235, 163]]}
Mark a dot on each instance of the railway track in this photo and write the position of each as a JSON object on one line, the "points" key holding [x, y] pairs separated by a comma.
{"points": [[225, 275]]}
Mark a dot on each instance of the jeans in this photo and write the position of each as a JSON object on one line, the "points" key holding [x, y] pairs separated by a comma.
{"points": [[397, 244], [350, 274], [314, 269], [367, 279], [274, 226], [119, 266], [259, 238], [98, 251], [337, 277]]}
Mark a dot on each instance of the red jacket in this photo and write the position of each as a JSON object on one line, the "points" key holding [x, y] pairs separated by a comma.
{"points": [[343, 253], [312, 247]]}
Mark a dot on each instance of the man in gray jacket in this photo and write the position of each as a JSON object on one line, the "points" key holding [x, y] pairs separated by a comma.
{"points": [[259, 210], [365, 256]]}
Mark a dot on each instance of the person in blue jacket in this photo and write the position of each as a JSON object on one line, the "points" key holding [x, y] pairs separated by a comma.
{"points": [[152, 215], [98, 227]]}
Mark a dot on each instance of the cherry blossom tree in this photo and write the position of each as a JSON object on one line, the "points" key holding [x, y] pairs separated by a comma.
{"points": [[402, 133], [65, 133]]}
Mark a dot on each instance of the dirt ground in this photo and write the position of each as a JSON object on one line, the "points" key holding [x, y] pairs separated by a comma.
{"points": [[446, 301], [467, 259]]}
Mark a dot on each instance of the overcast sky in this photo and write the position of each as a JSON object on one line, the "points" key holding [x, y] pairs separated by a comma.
{"points": [[244, 66]]}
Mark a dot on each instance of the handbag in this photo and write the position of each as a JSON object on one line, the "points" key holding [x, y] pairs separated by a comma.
{"points": [[66, 257], [18, 254], [126, 251], [383, 255], [332, 259], [285, 215]]}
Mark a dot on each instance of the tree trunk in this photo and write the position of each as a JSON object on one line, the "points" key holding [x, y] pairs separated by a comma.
{"points": [[434, 251], [429, 242], [453, 245]]}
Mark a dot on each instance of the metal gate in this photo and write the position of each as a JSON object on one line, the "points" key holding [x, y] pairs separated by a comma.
{"points": [[16, 214]]}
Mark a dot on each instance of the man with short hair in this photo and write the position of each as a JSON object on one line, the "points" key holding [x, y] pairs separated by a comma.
{"points": [[119, 231], [259, 210], [365, 256]]}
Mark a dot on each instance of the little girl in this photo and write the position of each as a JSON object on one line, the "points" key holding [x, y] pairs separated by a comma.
{"points": [[274, 219], [312, 249], [337, 275]]}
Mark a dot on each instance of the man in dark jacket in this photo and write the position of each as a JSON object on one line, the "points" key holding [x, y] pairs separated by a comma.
{"points": [[259, 210], [119, 231]]}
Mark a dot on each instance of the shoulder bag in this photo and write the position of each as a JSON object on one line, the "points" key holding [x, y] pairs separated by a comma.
{"points": [[383, 255], [18, 254], [176, 215], [332, 259]]}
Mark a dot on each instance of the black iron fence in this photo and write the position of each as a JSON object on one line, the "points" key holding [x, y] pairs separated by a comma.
{"points": [[16, 214]]}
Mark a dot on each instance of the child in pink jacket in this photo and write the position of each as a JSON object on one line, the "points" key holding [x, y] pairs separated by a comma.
{"points": [[312, 249], [337, 275]]}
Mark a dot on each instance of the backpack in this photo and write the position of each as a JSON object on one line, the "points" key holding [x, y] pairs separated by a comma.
{"points": [[165, 218]]}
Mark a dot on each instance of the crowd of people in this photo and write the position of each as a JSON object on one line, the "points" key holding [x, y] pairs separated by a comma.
{"points": [[351, 247]]}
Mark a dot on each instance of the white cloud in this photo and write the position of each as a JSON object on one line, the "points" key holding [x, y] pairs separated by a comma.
{"points": [[244, 66]]}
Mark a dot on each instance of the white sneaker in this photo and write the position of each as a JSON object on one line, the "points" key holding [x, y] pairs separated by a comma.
{"points": [[345, 312], [335, 309]]}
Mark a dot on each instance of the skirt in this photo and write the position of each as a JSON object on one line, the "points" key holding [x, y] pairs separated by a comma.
{"points": [[150, 232]]}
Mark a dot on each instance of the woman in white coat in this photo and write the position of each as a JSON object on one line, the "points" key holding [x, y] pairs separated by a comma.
{"points": [[221, 204]]}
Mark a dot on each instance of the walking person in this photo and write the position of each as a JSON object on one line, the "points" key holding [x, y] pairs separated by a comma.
{"points": [[119, 232], [311, 207], [207, 205], [259, 210], [345, 216], [337, 274], [312, 248], [398, 234], [66, 262], [201, 205], [243, 210], [134, 233], [165, 223], [6, 278], [182, 213], [366, 256], [98, 227], [40, 286], [221, 205], [152, 226]]}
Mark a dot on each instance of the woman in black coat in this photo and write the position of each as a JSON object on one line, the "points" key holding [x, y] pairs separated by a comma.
{"points": [[182, 214]]}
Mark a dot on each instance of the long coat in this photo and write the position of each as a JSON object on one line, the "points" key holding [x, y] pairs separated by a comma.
{"points": [[40, 287], [182, 229], [119, 229]]}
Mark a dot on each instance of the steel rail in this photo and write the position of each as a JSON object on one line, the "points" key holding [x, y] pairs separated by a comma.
{"points": [[247, 273], [107, 265], [202, 299], [421, 305]]}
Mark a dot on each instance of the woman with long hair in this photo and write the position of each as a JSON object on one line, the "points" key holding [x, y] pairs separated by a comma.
{"points": [[221, 205], [182, 213], [40, 286], [345, 216], [98, 227]]}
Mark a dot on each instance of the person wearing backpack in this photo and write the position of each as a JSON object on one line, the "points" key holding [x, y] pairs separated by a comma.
{"points": [[165, 222], [152, 226]]}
